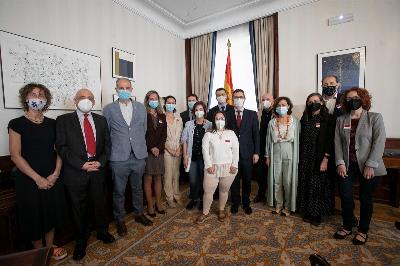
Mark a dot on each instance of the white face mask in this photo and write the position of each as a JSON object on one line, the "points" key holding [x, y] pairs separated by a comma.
{"points": [[238, 102], [221, 99], [199, 114], [220, 124], [85, 105], [266, 104]]}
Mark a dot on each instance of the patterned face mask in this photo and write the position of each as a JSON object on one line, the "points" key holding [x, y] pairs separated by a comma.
{"points": [[36, 104]]}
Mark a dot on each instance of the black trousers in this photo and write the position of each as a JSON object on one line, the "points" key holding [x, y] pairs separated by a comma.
{"points": [[262, 174], [367, 188], [245, 172], [88, 193]]}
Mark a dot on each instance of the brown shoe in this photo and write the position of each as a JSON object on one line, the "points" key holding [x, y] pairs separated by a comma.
{"points": [[201, 219], [221, 215], [121, 229]]}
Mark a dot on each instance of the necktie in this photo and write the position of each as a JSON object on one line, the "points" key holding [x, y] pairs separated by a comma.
{"points": [[89, 136], [238, 119]]}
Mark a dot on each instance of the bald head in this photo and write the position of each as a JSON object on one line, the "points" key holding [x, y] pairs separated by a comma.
{"points": [[84, 94], [267, 96]]}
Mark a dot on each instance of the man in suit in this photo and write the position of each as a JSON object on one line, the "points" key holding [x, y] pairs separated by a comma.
{"points": [[127, 122], [246, 129], [331, 95], [83, 143], [262, 168], [223, 106]]}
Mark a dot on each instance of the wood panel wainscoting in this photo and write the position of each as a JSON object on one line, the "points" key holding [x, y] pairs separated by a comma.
{"points": [[388, 192]]}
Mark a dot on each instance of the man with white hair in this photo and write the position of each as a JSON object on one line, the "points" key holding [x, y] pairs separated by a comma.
{"points": [[83, 143]]}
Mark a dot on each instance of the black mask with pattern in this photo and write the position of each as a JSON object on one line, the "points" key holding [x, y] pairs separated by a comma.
{"points": [[329, 90]]}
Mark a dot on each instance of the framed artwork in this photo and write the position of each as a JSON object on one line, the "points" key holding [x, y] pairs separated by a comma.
{"points": [[123, 64], [348, 65], [63, 71]]}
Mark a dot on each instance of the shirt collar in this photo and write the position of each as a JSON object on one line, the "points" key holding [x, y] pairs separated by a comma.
{"points": [[81, 114], [221, 105], [240, 109]]}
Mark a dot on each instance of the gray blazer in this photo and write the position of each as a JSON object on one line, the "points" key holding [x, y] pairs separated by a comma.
{"points": [[370, 141], [126, 138]]}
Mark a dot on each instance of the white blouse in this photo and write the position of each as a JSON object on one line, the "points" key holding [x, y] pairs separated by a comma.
{"points": [[220, 148]]}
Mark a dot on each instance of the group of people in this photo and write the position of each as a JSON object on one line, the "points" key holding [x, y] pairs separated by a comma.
{"points": [[297, 162]]}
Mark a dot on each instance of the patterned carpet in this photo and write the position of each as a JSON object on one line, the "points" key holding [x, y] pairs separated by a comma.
{"points": [[259, 239]]}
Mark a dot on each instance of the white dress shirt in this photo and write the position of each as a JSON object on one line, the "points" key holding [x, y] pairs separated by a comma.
{"points": [[126, 110]]}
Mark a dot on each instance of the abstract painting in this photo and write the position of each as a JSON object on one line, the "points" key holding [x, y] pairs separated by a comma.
{"points": [[348, 65], [124, 64], [62, 70]]}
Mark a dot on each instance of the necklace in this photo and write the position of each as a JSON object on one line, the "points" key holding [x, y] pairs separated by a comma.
{"points": [[37, 120], [284, 134], [220, 135]]}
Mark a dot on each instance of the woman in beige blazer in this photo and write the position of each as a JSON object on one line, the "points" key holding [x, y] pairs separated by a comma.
{"points": [[359, 144]]}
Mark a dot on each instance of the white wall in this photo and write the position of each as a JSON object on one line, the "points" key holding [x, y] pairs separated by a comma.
{"points": [[94, 27], [303, 33]]}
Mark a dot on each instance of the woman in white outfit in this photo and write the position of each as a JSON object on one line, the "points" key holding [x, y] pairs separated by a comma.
{"points": [[173, 152], [221, 157]]}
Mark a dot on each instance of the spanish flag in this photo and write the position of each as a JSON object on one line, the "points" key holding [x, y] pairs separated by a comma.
{"points": [[228, 86]]}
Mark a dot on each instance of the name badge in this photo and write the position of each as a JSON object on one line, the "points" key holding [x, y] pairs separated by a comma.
{"points": [[317, 125], [227, 140], [348, 126]]}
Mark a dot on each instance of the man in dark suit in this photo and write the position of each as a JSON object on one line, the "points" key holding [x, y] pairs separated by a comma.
{"points": [[187, 115], [246, 129], [262, 168], [331, 95], [223, 106], [83, 143]]}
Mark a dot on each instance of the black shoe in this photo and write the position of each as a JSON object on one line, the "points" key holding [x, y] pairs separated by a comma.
{"points": [[358, 242], [106, 237], [258, 199], [316, 221], [160, 211], [397, 224], [79, 251], [191, 204], [142, 219], [200, 207], [248, 210], [234, 208], [121, 229], [152, 215]]}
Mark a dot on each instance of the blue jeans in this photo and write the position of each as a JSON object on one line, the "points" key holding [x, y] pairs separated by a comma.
{"points": [[196, 176], [367, 188], [131, 170]]}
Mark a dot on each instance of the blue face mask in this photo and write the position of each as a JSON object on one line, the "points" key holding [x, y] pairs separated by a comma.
{"points": [[282, 110], [124, 94], [170, 107], [190, 105], [153, 104]]}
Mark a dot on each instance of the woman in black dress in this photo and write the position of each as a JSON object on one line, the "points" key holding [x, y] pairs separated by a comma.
{"points": [[316, 150], [40, 192]]}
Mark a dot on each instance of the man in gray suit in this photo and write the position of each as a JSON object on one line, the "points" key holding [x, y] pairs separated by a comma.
{"points": [[127, 121]]}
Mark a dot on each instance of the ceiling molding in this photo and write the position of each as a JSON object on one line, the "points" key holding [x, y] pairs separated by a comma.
{"points": [[233, 16]]}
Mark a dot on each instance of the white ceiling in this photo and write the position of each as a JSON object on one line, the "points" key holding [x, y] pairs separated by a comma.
{"points": [[190, 18]]}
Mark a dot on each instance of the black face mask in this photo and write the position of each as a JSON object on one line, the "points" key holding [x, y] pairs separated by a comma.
{"points": [[312, 107], [354, 104], [329, 90]]}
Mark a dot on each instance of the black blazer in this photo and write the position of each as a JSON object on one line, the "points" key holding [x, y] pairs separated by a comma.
{"points": [[185, 117], [70, 145], [265, 118], [248, 134], [156, 136], [229, 114]]}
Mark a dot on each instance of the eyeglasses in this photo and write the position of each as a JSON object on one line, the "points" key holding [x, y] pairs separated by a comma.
{"points": [[353, 98], [122, 88]]}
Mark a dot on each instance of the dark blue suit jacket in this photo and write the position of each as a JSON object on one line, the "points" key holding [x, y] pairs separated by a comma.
{"points": [[248, 133]]}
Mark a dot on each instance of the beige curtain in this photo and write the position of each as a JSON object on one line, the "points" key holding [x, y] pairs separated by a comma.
{"points": [[201, 53], [264, 42]]}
